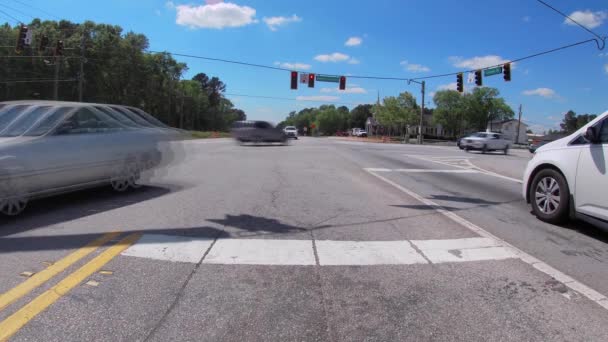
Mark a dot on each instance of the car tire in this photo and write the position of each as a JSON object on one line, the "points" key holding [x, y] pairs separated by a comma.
{"points": [[484, 149], [550, 196], [13, 200], [506, 150]]}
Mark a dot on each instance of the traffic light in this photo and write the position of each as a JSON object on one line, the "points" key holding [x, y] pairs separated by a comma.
{"points": [[506, 70], [311, 80], [459, 83], [59, 48], [21, 39], [294, 80], [478, 78], [342, 82], [44, 42]]}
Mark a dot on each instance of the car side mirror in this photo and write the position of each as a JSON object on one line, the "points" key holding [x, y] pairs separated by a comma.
{"points": [[591, 135]]}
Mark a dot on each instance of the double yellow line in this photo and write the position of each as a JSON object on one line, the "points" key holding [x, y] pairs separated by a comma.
{"points": [[16, 321]]}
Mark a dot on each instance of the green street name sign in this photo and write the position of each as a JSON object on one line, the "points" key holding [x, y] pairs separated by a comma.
{"points": [[493, 71], [327, 78]]}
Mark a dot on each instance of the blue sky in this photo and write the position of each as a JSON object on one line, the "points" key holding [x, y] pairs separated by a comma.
{"points": [[405, 38]]}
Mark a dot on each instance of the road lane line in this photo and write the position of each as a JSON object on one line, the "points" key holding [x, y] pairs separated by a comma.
{"points": [[43, 276], [468, 166], [574, 285], [16, 321]]}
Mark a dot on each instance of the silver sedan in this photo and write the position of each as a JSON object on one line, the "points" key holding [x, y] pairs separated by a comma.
{"points": [[49, 147]]}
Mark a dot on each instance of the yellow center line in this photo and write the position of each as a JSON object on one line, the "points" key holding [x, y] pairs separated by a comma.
{"points": [[16, 321], [41, 277]]}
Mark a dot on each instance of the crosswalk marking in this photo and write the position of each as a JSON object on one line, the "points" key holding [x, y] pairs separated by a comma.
{"points": [[367, 253], [329, 252], [261, 252]]}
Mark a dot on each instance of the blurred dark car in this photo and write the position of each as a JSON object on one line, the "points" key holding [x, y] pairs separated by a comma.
{"points": [[49, 147], [257, 132]]}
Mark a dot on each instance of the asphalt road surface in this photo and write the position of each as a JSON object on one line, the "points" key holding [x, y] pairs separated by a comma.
{"points": [[322, 240]]}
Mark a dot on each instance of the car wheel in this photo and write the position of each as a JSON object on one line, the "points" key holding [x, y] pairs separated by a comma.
{"points": [[506, 150], [13, 201], [550, 196], [484, 149]]}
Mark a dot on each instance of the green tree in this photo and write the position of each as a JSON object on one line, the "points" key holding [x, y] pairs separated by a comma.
{"points": [[483, 106], [449, 111], [359, 115]]}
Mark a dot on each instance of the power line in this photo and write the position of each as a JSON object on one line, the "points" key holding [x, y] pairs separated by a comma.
{"points": [[38, 8], [512, 61], [603, 39], [10, 16], [16, 10], [222, 60], [382, 77], [38, 81]]}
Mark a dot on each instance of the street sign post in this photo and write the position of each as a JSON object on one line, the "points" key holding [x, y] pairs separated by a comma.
{"points": [[492, 71], [328, 78]]}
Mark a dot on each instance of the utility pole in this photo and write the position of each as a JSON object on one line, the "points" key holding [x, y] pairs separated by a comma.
{"points": [[423, 86], [56, 87], [518, 126], [81, 74]]}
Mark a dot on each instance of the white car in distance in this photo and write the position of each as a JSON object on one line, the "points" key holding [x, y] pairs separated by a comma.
{"points": [[567, 178], [291, 132]]}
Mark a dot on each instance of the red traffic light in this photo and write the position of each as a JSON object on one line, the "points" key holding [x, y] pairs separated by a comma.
{"points": [[311, 80], [294, 80], [342, 83]]}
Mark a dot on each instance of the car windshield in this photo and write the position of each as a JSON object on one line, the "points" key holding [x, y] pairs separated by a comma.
{"points": [[51, 120], [290, 128], [136, 118], [10, 113], [25, 121], [479, 135], [120, 117], [149, 118]]}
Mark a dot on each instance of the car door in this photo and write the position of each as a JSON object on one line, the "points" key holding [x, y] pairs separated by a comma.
{"points": [[591, 176]]}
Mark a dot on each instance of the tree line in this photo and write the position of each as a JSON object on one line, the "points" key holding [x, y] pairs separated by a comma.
{"points": [[397, 115], [117, 69]]}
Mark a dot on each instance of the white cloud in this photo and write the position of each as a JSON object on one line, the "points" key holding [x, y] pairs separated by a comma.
{"points": [[274, 22], [318, 98], [544, 92], [587, 18], [414, 67], [354, 41], [349, 90], [293, 66], [478, 62], [334, 57], [353, 60], [526, 19], [215, 15]]}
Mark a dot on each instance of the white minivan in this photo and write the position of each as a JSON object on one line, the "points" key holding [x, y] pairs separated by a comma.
{"points": [[567, 178]]}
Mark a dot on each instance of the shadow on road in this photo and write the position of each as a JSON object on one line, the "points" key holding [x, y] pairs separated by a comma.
{"points": [[57, 209], [257, 224], [463, 199], [74, 241]]}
